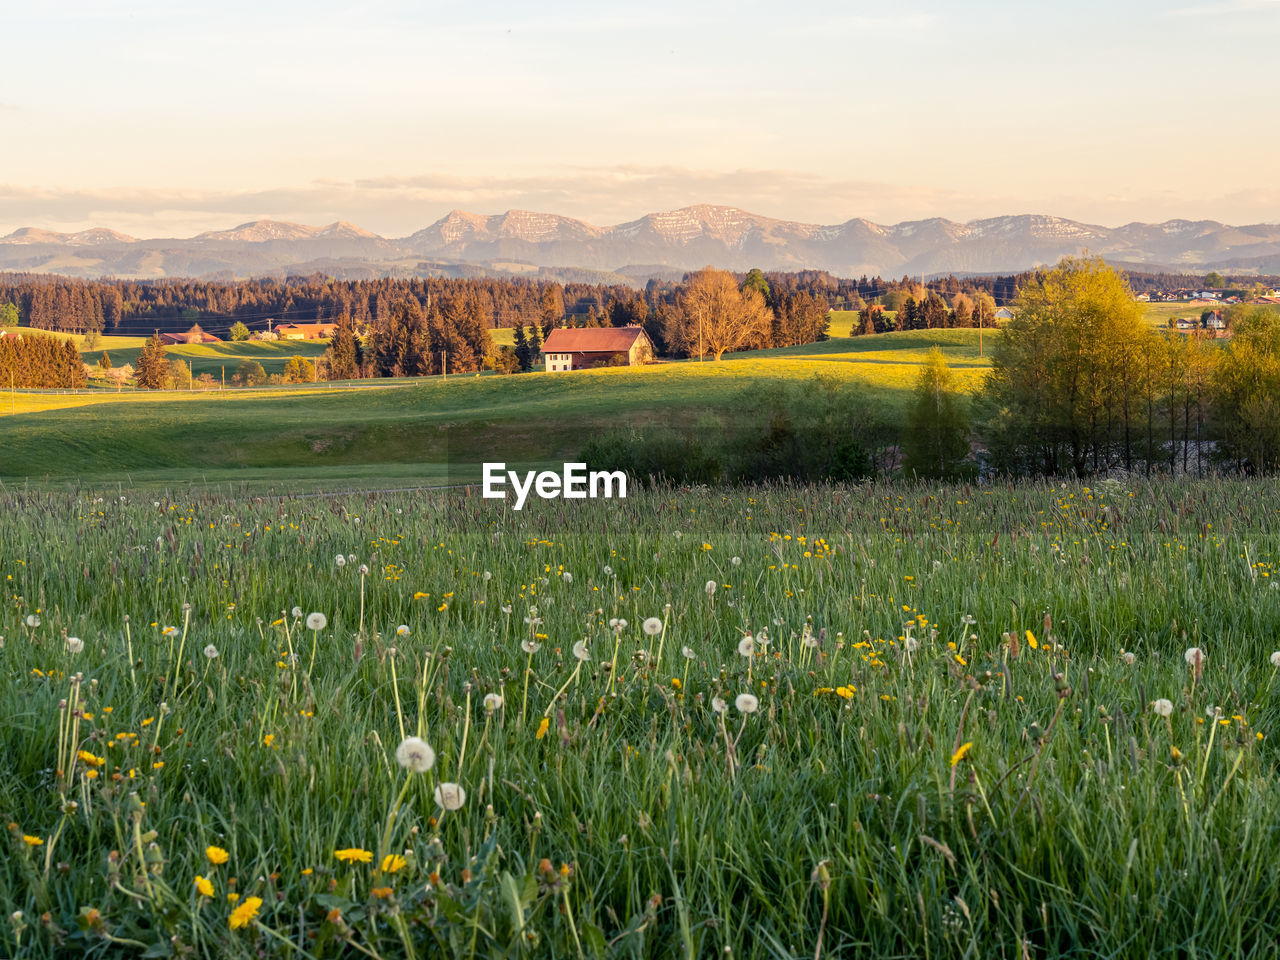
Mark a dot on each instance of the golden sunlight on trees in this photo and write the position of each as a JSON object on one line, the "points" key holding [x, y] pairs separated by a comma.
{"points": [[1067, 391], [712, 316]]}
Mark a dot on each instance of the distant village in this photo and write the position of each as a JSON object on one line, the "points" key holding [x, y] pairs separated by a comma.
{"points": [[1225, 297], [1210, 319]]}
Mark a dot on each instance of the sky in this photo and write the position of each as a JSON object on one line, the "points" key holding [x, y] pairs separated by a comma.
{"points": [[169, 118]]}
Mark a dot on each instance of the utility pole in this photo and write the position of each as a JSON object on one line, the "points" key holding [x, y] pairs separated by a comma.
{"points": [[224, 378], [444, 363]]}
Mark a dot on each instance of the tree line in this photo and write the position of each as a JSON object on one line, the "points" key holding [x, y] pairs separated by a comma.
{"points": [[33, 361], [1082, 385]]}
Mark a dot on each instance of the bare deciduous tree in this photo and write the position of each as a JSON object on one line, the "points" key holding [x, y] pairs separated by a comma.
{"points": [[713, 316]]}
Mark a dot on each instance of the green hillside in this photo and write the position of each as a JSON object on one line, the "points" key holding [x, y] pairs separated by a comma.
{"points": [[366, 432]]}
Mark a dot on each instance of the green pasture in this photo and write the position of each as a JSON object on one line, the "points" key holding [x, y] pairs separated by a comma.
{"points": [[535, 417]]}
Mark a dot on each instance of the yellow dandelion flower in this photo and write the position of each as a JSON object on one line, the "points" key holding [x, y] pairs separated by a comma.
{"points": [[1031, 641], [381, 892], [542, 728], [87, 757], [392, 862], [354, 855], [31, 841], [242, 915], [204, 886], [960, 753], [217, 855]]}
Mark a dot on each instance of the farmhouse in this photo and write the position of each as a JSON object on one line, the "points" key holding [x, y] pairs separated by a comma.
{"points": [[1004, 313], [305, 331], [577, 348], [194, 335]]}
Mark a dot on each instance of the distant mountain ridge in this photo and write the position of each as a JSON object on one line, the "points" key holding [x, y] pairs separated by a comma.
{"points": [[675, 240]]}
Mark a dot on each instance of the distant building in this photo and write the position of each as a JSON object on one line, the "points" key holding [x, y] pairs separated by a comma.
{"points": [[1213, 321], [305, 331], [579, 348], [194, 335], [1004, 313]]}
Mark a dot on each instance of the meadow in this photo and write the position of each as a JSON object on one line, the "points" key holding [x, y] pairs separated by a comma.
{"points": [[340, 433], [889, 720]]}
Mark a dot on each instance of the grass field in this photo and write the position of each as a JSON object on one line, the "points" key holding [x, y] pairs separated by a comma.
{"points": [[917, 763], [328, 432]]}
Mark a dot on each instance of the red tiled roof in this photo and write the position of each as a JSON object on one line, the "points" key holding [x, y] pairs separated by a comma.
{"points": [[591, 339]]}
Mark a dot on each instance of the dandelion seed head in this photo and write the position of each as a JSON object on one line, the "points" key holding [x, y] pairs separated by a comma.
{"points": [[415, 755], [492, 702], [747, 703], [450, 796], [718, 705], [74, 644], [211, 652], [746, 646], [1194, 654], [581, 652], [652, 626], [1163, 707]]}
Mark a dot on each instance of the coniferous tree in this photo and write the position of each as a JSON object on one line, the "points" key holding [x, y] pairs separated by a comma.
{"points": [[535, 345], [523, 357], [936, 438], [104, 361], [152, 369], [344, 355]]}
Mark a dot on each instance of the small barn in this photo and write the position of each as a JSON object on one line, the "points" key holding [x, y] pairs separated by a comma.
{"points": [[305, 331], [579, 348]]}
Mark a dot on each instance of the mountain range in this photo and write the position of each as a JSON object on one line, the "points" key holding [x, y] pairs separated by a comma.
{"points": [[661, 244]]}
